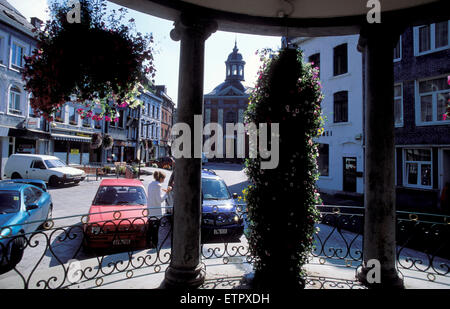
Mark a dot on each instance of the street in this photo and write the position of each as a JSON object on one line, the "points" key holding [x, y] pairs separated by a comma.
{"points": [[56, 258], [70, 205]]}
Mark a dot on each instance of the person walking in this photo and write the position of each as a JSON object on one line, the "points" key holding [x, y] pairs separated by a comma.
{"points": [[170, 195], [156, 196]]}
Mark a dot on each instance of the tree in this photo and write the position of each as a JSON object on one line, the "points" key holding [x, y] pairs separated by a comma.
{"points": [[98, 60]]}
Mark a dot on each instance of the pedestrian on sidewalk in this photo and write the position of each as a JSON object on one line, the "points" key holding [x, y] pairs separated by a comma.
{"points": [[171, 194], [156, 197]]}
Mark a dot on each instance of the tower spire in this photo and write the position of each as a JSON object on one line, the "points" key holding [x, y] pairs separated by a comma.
{"points": [[235, 64]]}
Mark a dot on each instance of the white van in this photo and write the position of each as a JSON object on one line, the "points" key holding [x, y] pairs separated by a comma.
{"points": [[47, 168]]}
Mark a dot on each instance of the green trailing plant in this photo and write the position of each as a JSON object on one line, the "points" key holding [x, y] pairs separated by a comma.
{"points": [[281, 201], [99, 61]]}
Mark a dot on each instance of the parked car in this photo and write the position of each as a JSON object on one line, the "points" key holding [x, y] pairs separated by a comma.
{"points": [[35, 182], [204, 158], [47, 168], [23, 209], [164, 162], [117, 216], [221, 217]]}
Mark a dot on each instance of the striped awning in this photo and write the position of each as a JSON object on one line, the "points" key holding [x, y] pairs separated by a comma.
{"points": [[72, 138]]}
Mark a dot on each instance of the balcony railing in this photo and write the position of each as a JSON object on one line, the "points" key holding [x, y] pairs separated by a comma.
{"points": [[74, 251]]}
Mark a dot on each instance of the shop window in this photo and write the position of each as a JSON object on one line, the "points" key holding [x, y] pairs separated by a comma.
{"points": [[75, 152], [60, 150]]}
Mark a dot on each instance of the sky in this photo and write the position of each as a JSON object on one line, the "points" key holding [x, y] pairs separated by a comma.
{"points": [[167, 52]]}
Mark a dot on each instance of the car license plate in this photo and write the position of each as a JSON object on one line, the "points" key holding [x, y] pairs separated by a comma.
{"points": [[121, 242], [220, 231]]}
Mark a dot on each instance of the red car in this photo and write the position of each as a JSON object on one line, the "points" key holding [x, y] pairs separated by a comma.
{"points": [[118, 215]]}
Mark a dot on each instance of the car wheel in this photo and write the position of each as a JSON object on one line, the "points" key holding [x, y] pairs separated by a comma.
{"points": [[47, 225], [17, 248], [53, 181], [16, 175]]}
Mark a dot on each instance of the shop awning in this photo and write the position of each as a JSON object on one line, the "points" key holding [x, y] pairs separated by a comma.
{"points": [[30, 134], [72, 138]]}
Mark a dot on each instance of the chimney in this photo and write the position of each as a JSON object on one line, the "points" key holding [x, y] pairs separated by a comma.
{"points": [[36, 22]]}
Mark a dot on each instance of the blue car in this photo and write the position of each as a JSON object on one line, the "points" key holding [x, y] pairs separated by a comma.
{"points": [[221, 215], [24, 207]]}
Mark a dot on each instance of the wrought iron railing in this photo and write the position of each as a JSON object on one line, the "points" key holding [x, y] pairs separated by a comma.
{"points": [[76, 251], [62, 253], [423, 244]]}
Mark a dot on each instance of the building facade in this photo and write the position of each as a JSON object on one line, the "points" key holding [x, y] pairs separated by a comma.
{"points": [[21, 131], [150, 126], [422, 134], [167, 108], [226, 104], [137, 133], [341, 156], [70, 136]]}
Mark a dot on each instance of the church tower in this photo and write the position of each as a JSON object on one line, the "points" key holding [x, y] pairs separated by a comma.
{"points": [[226, 104], [235, 65]]}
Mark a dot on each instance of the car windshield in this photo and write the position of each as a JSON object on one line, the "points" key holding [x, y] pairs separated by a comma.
{"points": [[54, 163], [120, 195], [9, 202], [214, 189]]}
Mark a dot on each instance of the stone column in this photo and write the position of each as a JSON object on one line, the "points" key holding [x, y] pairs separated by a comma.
{"points": [[184, 270], [376, 43]]}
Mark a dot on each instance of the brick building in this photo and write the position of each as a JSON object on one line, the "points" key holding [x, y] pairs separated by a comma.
{"points": [[422, 136], [167, 107]]}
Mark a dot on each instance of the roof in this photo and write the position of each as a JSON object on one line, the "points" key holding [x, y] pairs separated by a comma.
{"points": [[121, 182], [209, 174], [235, 56], [44, 157], [12, 186], [12, 17], [236, 89]]}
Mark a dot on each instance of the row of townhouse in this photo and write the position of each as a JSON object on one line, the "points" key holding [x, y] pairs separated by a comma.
{"points": [[422, 134], [136, 135]]}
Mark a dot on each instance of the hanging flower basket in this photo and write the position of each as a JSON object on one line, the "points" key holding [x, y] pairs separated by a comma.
{"points": [[96, 140], [108, 141], [97, 61]]}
